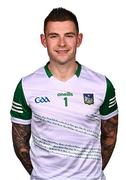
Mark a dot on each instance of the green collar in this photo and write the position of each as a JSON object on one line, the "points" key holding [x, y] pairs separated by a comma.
{"points": [[49, 74]]}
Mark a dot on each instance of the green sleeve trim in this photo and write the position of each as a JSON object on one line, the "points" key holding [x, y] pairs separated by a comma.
{"points": [[20, 109], [109, 105]]}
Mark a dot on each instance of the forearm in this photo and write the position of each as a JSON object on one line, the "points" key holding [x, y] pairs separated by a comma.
{"points": [[107, 150], [21, 136], [24, 157], [108, 139]]}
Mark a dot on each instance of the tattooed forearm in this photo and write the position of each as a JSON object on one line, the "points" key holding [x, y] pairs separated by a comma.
{"points": [[21, 136], [108, 138]]}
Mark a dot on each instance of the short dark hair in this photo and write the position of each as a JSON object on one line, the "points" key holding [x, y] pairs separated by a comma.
{"points": [[61, 14]]}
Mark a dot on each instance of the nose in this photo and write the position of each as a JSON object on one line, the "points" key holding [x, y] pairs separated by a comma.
{"points": [[62, 42]]}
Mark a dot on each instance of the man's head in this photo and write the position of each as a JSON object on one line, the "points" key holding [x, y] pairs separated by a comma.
{"points": [[61, 35], [61, 14]]}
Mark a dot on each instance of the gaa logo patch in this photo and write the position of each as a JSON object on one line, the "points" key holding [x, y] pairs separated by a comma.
{"points": [[88, 98], [42, 99]]}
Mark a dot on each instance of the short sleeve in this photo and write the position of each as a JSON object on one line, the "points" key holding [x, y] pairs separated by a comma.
{"points": [[109, 107], [20, 111]]}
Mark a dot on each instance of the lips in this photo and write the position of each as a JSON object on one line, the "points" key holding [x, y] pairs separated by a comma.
{"points": [[62, 51]]}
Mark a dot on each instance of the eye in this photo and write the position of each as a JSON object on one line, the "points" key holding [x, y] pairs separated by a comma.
{"points": [[53, 36], [70, 35]]}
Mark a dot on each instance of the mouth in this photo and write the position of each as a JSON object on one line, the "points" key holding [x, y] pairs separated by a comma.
{"points": [[62, 51]]}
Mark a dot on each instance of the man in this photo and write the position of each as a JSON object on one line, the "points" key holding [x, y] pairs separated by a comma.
{"points": [[70, 110]]}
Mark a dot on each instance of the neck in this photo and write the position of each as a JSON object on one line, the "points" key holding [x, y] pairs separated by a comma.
{"points": [[63, 72]]}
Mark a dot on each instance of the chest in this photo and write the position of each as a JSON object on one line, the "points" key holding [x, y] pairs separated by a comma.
{"points": [[66, 100]]}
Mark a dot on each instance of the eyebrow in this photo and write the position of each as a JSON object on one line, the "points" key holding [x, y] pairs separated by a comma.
{"points": [[68, 33], [52, 33], [71, 33]]}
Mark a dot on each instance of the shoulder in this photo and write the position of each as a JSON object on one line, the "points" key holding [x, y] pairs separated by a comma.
{"points": [[92, 76], [97, 81], [35, 78], [36, 74]]}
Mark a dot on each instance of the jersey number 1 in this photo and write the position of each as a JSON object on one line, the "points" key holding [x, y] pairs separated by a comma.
{"points": [[66, 101]]}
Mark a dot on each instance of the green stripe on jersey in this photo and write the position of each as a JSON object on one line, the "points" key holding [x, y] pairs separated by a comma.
{"points": [[109, 105], [78, 71], [48, 72], [20, 109]]}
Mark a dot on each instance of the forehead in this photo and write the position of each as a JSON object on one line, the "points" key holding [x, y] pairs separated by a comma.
{"points": [[60, 27]]}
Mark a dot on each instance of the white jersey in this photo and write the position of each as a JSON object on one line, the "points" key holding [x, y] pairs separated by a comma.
{"points": [[65, 120]]}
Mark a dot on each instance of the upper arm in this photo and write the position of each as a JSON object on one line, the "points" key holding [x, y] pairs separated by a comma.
{"points": [[20, 111], [109, 107], [109, 112], [21, 119], [109, 128]]}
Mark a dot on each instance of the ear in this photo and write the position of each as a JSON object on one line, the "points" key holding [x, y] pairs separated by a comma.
{"points": [[79, 39], [43, 40]]}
